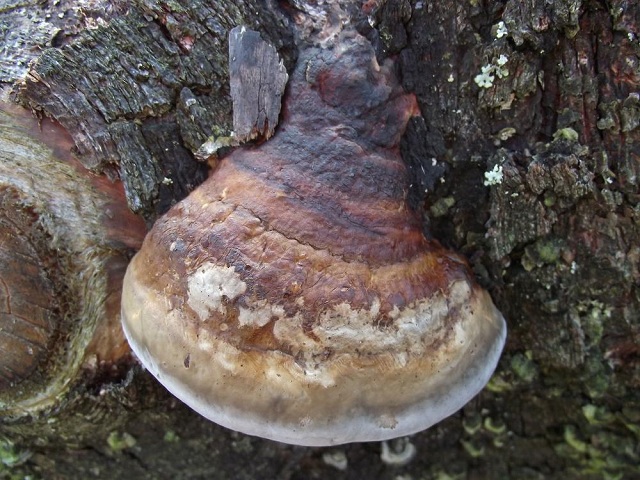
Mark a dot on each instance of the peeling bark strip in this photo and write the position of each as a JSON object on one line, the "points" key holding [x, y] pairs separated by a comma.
{"points": [[257, 77]]}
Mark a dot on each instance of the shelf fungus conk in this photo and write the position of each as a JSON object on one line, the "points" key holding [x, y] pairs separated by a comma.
{"points": [[293, 295]]}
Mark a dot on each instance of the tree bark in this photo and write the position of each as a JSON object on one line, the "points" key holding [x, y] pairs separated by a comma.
{"points": [[526, 159]]}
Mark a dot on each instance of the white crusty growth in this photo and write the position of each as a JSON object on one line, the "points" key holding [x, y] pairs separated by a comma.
{"points": [[209, 284]]}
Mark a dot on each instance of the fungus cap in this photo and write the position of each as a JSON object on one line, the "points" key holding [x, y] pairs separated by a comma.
{"points": [[293, 295], [347, 380]]}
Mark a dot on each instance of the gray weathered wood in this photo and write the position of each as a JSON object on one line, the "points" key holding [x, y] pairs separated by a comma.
{"points": [[257, 78]]}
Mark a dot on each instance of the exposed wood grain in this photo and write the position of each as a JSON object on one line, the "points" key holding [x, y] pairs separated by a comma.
{"points": [[257, 77], [65, 238]]}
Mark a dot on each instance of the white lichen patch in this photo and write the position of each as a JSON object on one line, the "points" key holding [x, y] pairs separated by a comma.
{"points": [[485, 78], [491, 70], [500, 30], [493, 176], [209, 284]]}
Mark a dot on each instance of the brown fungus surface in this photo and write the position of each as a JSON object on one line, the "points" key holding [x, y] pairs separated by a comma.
{"points": [[294, 296]]}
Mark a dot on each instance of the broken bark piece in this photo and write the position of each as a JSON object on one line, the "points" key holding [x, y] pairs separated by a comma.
{"points": [[258, 78]]}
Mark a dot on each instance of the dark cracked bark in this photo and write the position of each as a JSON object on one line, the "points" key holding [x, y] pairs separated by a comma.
{"points": [[526, 159], [140, 94]]}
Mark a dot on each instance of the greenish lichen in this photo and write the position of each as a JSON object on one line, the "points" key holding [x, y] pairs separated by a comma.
{"points": [[11, 455], [567, 133], [597, 415], [472, 423], [630, 417], [596, 378], [593, 316], [571, 438], [506, 133], [171, 436], [524, 367], [385, 35], [498, 383], [442, 206], [119, 441], [630, 112], [599, 453], [442, 475], [549, 199], [608, 116], [495, 426], [474, 450], [544, 251]]}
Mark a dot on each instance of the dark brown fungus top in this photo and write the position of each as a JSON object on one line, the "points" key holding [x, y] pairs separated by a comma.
{"points": [[293, 295]]}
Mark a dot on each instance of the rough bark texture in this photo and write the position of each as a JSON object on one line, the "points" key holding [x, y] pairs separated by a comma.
{"points": [[138, 94], [28, 26], [526, 158]]}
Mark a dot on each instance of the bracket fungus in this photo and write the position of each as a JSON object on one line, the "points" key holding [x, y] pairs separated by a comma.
{"points": [[294, 296]]}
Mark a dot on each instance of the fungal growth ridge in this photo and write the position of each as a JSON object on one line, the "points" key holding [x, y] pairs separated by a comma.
{"points": [[293, 295]]}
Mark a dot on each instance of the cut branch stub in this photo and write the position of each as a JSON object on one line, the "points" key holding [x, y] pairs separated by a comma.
{"points": [[65, 238]]}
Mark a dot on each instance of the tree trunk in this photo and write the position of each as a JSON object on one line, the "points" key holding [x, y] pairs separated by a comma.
{"points": [[526, 159]]}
